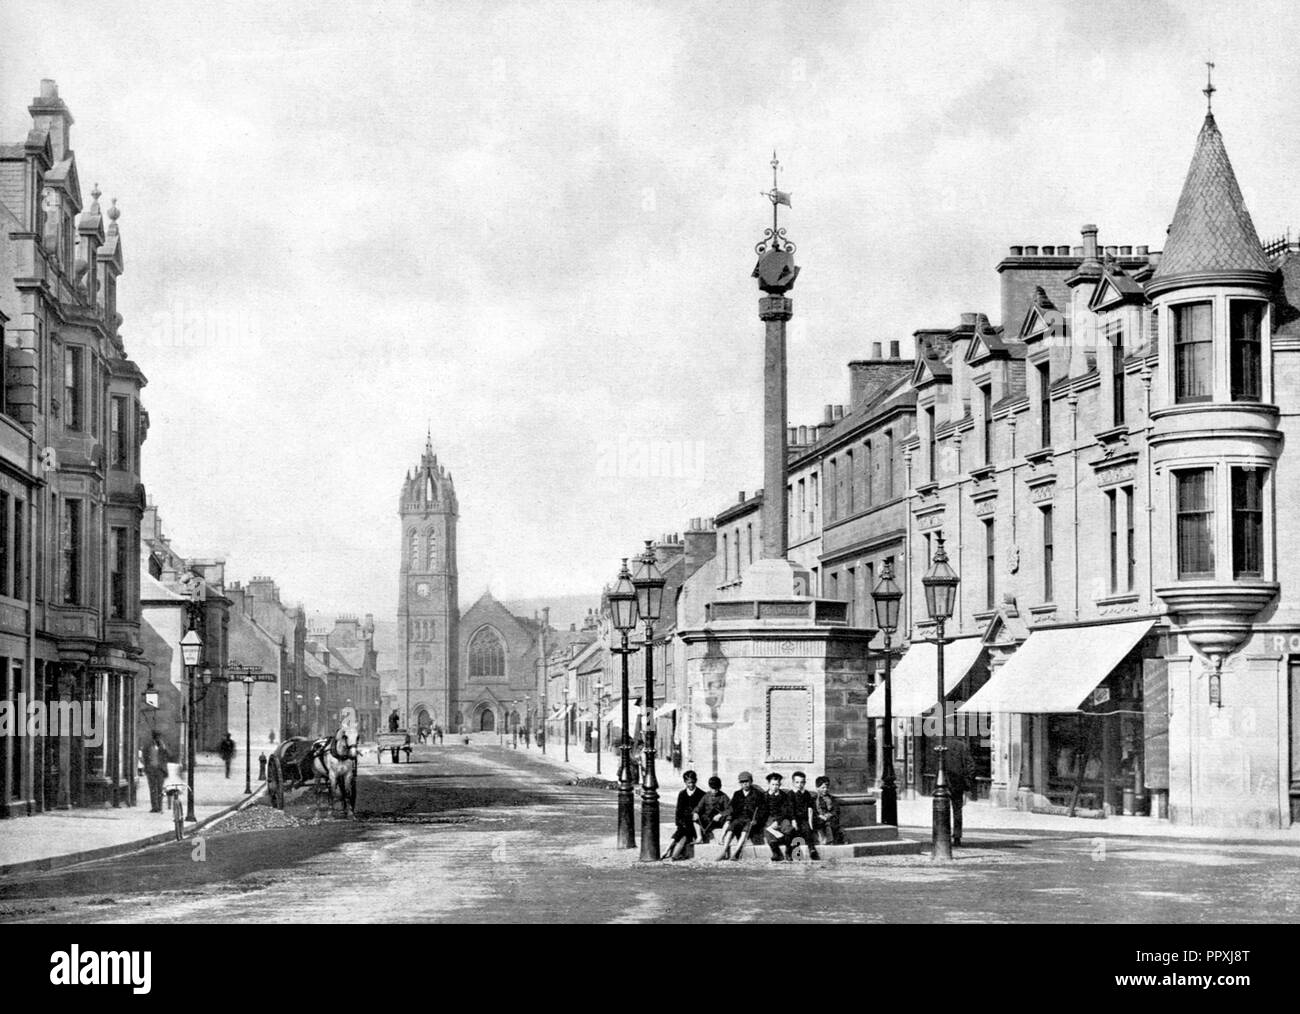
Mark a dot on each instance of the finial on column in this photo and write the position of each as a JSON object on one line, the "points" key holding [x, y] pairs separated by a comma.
{"points": [[775, 270]]}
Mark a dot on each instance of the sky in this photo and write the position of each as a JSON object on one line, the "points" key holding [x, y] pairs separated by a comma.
{"points": [[529, 229]]}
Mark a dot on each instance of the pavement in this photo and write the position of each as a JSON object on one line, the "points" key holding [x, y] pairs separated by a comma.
{"points": [[914, 815], [59, 838]]}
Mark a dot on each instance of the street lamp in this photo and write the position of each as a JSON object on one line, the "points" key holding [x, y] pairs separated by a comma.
{"points": [[599, 687], [649, 584], [622, 603], [248, 682], [886, 597], [940, 583], [285, 733], [316, 722], [528, 720], [566, 723], [191, 650]]}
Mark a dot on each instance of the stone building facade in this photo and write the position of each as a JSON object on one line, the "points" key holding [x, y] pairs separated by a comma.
{"points": [[1108, 471], [71, 429]]}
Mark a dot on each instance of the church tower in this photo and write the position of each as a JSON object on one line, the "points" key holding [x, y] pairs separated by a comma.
{"points": [[428, 612]]}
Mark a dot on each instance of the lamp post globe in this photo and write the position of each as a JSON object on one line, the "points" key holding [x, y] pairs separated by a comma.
{"points": [[940, 584], [649, 584], [624, 613], [886, 597]]}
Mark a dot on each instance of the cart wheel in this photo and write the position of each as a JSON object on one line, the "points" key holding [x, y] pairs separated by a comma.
{"points": [[275, 783]]}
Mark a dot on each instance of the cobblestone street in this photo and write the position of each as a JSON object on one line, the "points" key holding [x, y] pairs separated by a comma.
{"points": [[489, 834]]}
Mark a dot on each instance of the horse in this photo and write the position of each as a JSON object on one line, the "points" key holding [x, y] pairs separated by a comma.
{"points": [[335, 759]]}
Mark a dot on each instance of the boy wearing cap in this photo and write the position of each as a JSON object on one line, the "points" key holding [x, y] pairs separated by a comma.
{"points": [[748, 811], [780, 819], [826, 817], [802, 801], [713, 810], [684, 833]]}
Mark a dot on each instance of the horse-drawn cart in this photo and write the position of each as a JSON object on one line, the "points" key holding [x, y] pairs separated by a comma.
{"points": [[331, 762]]}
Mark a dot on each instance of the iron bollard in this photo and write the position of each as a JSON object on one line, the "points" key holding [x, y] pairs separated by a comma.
{"points": [[261, 768]]}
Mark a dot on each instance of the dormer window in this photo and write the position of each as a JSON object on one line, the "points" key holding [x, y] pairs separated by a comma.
{"points": [[1193, 345], [1246, 324]]}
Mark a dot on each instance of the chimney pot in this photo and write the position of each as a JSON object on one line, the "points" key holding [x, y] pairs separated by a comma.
{"points": [[49, 89], [741, 497], [1142, 251], [1126, 251], [803, 434], [1017, 251], [876, 350], [828, 413], [1062, 251], [1031, 251], [1112, 251], [839, 412], [968, 319], [1078, 251]]}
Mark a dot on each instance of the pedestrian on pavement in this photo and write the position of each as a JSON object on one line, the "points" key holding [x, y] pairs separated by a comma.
{"points": [[959, 767], [156, 759], [802, 802], [748, 811], [393, 721], [684, 833], [226, 750], [778, 830], [826, 819], [713, 810], [438, 732]]}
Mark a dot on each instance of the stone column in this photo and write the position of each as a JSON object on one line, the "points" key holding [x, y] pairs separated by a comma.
{"points": [[774, 311]]}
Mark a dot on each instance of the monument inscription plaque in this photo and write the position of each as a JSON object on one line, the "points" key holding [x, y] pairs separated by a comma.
{"points": [[790, 725]]}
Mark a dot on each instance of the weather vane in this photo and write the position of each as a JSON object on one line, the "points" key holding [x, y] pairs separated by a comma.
{"points": [[1209, 89], [774, 238]]}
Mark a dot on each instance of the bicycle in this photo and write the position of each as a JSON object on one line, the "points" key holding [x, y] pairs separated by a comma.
{"points": [[174, 791]]}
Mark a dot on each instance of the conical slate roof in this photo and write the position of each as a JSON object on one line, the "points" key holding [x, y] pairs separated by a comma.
{"points": [[1212, 233]]}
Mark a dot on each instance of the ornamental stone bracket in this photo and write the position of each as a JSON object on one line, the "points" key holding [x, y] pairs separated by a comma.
{"points": [[985, 500], [1114, 470], [932, 519], [1216, 617], [1041, 488]]}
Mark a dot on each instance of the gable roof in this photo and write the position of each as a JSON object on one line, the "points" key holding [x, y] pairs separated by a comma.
{"points": [[1212, 232], [929, 370], [1042, 318], [992, 343], [1115, 288]]}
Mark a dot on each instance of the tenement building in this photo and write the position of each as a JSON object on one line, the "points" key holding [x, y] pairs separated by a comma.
{"points": [[71, 426], [1108, 471]]}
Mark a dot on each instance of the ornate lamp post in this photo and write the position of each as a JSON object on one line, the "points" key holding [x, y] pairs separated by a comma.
{"points": [[940, 583], [886, 597], [191, 650], [649, 584], [623, 604], [248, 682]]}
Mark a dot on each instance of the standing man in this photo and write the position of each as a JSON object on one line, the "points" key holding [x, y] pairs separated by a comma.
{"points": [[713, 810], [684, 834], [959, 767], [748, 811], [804, 806], [226, 750], [826, 819], [393, 721], [779, 827], [156, 759]]}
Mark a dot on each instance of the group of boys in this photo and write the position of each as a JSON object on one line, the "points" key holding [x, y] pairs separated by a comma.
{"points": [[781, 817]]}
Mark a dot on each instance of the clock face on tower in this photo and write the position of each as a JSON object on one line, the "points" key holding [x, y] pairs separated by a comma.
{"points": [[422, 590]]}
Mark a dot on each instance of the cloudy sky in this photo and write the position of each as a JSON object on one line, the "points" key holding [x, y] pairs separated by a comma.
{"points": [[530, 227]]}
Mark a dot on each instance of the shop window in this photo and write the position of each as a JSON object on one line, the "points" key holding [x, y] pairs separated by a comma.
{"points": [[1193, 344], [1195, 535], [1247, 522], [1246, 325]]}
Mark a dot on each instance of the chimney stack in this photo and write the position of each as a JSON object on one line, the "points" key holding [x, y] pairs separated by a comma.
{"points": [[893, 350]]}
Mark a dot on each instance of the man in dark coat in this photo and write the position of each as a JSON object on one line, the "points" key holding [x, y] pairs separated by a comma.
{"points": [[684, 833], [802, 802], [748, 811], [959, 768], [393, 721], [713, 810], [226, 750], [826, 819], [778, 829], [156, 758]]}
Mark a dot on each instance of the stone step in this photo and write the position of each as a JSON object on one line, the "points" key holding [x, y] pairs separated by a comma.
{"points": [[869, 849], [876, 832]]}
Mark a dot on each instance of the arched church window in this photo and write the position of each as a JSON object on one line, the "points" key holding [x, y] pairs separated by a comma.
{"points": [[487, 655], [428, 549]]}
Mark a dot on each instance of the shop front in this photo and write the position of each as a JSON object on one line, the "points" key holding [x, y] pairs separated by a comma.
{"points": [[1086, 727]]}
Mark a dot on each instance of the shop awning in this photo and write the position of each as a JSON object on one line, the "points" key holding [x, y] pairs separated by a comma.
{"points": [[666, 710], [1054, 670], [916, 676]]}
